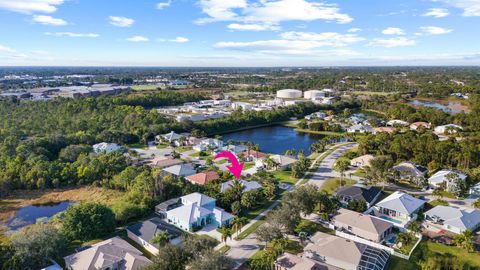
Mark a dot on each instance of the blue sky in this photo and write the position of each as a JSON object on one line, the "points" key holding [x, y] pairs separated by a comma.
{"points": [[239, 32]]}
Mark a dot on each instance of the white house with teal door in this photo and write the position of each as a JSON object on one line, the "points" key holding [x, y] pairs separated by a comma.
{"points": [[196, 211]]}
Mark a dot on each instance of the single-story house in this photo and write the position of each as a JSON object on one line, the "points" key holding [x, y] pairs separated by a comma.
{"points": [[289, 261], [284, 162], [169, 137], [399, 206], [208, 144], [248, 185], [475, 189], [396, 122], [450, 128], [410, 170], [360, 128], [416, 125], [441, 177], [113, 253], [345, 254], [361, 161], [181, 170], [237, 149], [144, 232], [316, 115], [364, 226], [384, 129], [252, 155], [196, 211], [203, 178], [355, 193], [162, 208], [104, 147], [163, 162], [454, 219]]}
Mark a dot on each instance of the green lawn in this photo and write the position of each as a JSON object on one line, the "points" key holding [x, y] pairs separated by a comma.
{"points": [[285, 177], [250, 229], [248, 165], [438, 202], [311, 228], [331, 185], [146, 87], [137, 145], [162, 146], [224, 249], [222, 161], [359, 173], [183, 149], [196, 154]]}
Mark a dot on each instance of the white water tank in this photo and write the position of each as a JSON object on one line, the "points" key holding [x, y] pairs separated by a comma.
{"points": [[313, 94], [289, 93]]}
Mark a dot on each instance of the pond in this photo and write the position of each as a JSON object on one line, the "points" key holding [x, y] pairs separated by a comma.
{"points": [[276, 139], [29, 214], [452, 107]]}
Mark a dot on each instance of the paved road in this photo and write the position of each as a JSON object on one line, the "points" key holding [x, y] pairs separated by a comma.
{"points": [[242, 250]]}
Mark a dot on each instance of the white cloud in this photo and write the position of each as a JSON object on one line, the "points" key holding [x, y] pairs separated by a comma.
{"points": [[176, 40], [163, 5], [323, 39], [6, 49], [121, 21], [470, 7], [48, 20], [354, 30], [253, 27], [434, 30], [31, 6], [70, 34], [391, 42], [393, 31], [138, 39], [436, 12], [270, 12]]}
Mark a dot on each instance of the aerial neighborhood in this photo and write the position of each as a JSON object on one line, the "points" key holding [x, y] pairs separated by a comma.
{"points": [[280, 179]]}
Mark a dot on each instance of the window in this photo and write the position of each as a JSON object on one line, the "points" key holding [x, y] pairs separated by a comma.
{"points": [[349, 228]]}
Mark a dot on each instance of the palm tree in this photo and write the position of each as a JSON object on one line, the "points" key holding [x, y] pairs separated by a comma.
{"points": [[226, 233], [237, 224], [465, 241], [237, 190], [290, 152], [160, 238]]}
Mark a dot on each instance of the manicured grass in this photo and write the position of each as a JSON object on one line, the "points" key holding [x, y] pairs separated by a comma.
{"points": [[183, 149], [327, 133], [162, 146], [146, 87], [224, 249], [438, 202], [222, 161], [285, 177], [196, 154], [406, 184], [248, 165], [311, 228], [447, 194], [137, 145], [250, 229], [331, 185], [359, 173]]}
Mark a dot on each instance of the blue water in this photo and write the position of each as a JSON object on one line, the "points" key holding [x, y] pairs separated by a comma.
{"points": [[275, 139], [392, 240], [431, 104], [29, 214]]}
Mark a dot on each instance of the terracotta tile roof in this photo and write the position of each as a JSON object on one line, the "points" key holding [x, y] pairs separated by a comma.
{"points": [[255, 154], [203, 178]]}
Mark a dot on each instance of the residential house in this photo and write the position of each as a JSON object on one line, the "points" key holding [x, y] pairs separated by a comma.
{"points": [[416, 125], [144, 233], [284, 162], [355, 193], [396, 122], [252, 155], [181, 170], [447, 129], [360, 128], [316, 115], [345, 254], [208, 144], [399, 207], [289, 261], [170, 137], [163, 162], [378, 130], [237, 149], [410, 170], [361, 161], [162, 208], [113, 253], [101, 148], [196, 211], [248, 185], [243, 105], [475, 190], [454, 219], [203, 178], [364, 226], [440, 177]]}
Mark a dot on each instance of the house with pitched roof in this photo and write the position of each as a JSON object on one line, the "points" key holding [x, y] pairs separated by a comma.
{"points": [[252, 155], [289, 261], [345, 254], [202, 178], [369, 195], [454, 219], [361, 161], [410, 170], [284, 162], [197, 210], [180, 170], [417, 125], [364, 226], [442, 176], [103, 147], [144, 233], [207, 144], [113, 253], [247, 185], [399, 208], [170, 137]]}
